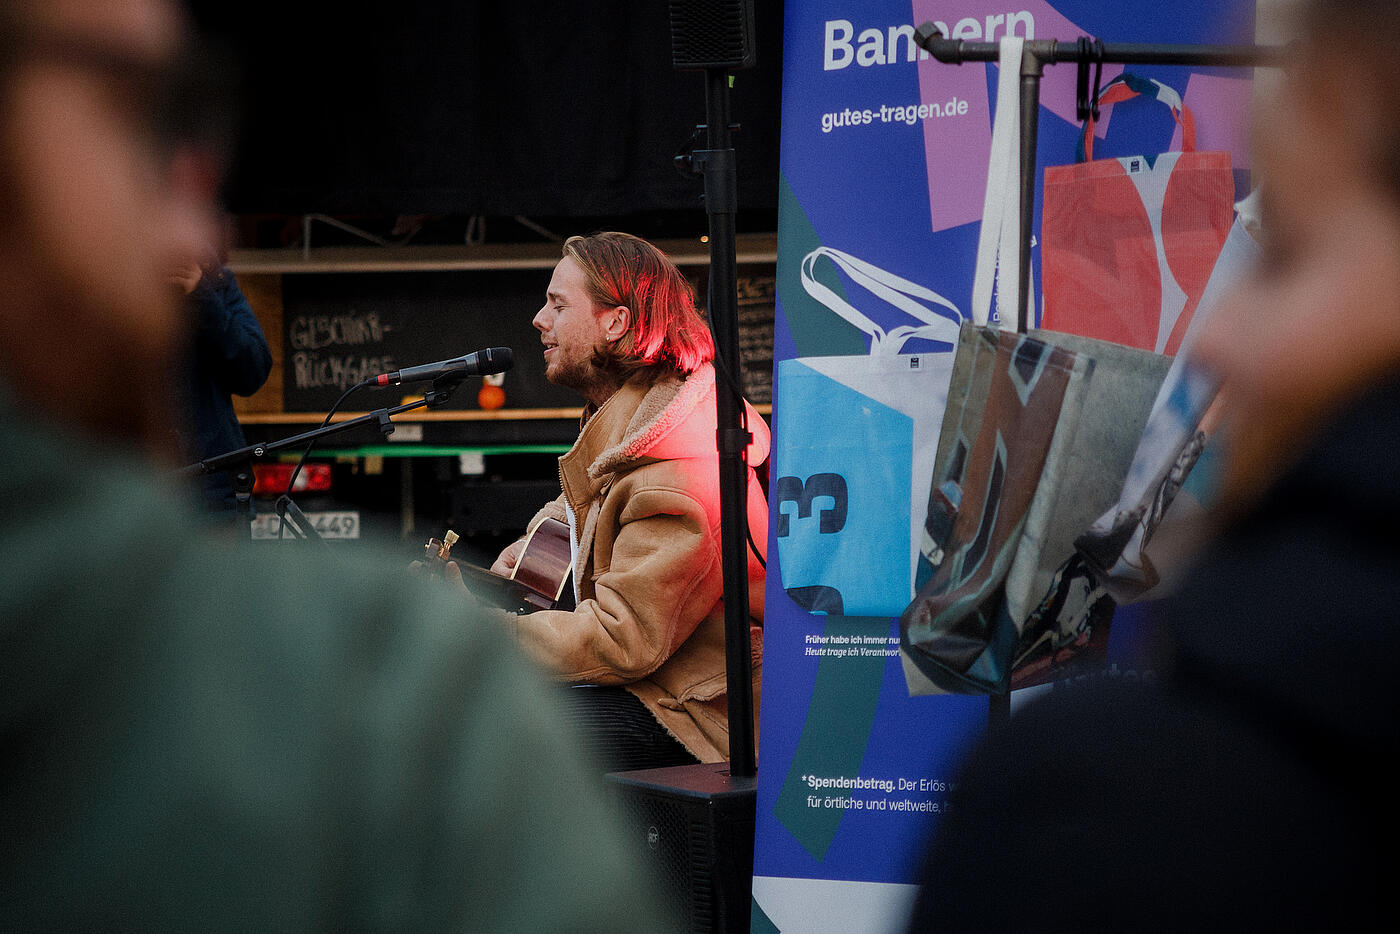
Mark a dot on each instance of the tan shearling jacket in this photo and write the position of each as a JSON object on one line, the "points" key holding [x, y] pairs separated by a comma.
{"points": [[642, 483]]}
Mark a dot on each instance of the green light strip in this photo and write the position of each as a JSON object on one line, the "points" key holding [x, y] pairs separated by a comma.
{"points": [[428, 450]]}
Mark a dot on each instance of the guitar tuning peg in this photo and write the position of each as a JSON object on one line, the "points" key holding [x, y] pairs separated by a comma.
{"points": [[437, 552]]}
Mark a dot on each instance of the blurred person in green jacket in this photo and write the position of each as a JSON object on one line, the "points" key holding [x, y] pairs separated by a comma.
{"points": [[197, 735]]}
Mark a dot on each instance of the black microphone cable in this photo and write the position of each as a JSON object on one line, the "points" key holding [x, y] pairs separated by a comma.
{"points": [[282, 523], [733, 382]]}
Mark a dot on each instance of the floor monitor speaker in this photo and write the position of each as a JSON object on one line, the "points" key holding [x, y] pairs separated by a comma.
{"points": [[695, 824]]}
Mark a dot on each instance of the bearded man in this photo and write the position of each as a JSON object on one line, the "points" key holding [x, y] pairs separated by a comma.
{"points": [[643, 646]]}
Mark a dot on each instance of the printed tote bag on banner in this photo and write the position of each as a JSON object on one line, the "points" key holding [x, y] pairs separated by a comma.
{"points": [[854, 444], [1038, 435], [1129, 244]]}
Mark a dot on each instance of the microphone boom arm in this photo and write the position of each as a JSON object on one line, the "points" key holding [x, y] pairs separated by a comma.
{"points": [[441, 391]]}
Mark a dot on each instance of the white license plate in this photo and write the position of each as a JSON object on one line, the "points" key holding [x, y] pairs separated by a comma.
{"points": [[343, 524]]}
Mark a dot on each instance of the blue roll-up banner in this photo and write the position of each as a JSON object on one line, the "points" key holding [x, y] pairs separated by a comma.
{"points": [[884, 167]]}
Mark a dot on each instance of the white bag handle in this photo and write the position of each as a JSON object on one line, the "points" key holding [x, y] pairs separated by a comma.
{"points": [[899, 292], [999, 242]]}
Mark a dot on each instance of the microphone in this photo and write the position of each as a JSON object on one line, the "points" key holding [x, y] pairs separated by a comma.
{"points": [[481, 363]]}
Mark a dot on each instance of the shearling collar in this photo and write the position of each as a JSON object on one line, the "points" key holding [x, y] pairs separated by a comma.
{"points": [[635, 421]]}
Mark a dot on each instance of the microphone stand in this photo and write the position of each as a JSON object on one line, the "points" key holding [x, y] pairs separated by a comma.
{"points": [[717, 163], [240, 461], [296, 520]]}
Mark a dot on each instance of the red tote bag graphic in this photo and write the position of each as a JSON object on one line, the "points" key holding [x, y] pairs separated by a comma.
{"points": [[1128, 244]]}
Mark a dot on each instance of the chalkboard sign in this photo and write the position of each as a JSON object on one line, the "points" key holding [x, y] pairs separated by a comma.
{"points": [[345, 327]]}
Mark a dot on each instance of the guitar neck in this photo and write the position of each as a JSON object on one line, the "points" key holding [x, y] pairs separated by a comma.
{"points": [[539, 580], [501, 591]]}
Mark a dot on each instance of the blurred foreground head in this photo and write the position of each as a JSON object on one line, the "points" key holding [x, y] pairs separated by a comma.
{"points": [[1319, 324], [99, 197]]}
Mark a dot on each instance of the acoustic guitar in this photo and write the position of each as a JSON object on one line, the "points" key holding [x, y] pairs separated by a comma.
{"points": [[540, 580]]}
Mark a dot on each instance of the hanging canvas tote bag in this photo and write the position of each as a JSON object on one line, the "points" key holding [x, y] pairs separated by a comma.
{"points": [[854, 445], [1038, 436], [1128, 244], [998, 270]]}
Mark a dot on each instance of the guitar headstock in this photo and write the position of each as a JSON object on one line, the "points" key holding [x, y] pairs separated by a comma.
{"points": [[438, 551]]}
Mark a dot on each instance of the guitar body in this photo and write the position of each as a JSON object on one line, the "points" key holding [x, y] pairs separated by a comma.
{"points": [[545, 565]]}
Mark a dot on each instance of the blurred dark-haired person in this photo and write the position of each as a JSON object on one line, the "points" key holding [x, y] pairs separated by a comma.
{"points": [[228, 356], [197, 736], [1245, 791], [643, 646]]}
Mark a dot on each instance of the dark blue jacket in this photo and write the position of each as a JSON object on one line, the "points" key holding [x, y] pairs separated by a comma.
{"points": [[229, 355]]}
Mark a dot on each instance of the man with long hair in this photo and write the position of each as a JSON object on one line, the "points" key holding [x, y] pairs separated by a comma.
{"points": [[644, 644]]}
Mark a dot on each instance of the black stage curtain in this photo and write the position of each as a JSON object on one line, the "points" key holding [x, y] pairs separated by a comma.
{"points": [[494, 108]]}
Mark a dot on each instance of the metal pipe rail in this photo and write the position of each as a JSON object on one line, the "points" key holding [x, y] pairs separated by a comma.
{"points": [[1084, 52]]}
